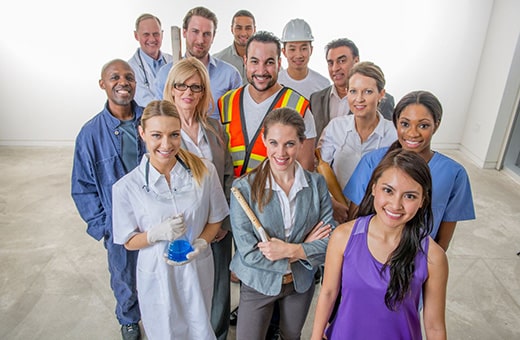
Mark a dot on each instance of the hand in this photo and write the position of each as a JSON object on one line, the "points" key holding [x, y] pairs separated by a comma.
{"points": [[168, 230], [198, 246], [339, 211], [220, 235], [320, 231], [275, 249]]}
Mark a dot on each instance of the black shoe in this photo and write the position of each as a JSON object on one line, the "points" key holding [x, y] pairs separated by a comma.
{"points": [[233, 316], [273, 333], [131, 331]]}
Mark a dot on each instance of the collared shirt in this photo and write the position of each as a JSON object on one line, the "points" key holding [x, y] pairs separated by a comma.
{"points": [[341, 144], [222, 77], [201, 148], [145, 70], [337, 106], [230, 55], [288, 202], [97, 166]]}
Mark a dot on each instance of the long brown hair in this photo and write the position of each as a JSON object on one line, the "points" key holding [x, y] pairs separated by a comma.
{"points": [[401, 262], [284, 116]]}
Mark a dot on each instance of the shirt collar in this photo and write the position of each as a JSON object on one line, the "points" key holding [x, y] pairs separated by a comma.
{"points": [[112, 121], [380, 128], [149, 60], [334, 93], [300, 181], [156, 181]]}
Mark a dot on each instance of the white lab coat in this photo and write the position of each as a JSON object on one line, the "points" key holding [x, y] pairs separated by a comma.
{"points": [[145, 77], [175, 301]]}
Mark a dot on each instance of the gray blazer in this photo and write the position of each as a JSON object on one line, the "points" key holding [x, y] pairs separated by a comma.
{"points": [[313, 204], [221, 158], [319, 106]]}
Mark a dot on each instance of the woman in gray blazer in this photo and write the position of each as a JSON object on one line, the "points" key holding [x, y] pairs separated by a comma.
{"points": [[187, 86], [294, 208]]}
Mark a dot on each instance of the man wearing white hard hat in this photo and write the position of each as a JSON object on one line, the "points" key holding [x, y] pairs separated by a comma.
{"points": [[297, 48]]}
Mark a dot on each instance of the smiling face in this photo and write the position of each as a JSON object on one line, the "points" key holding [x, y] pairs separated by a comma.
{"points": [[415, 129], [262, 65], [298, 54], [363, 96], [282, 145], [199, 36], [150, 35], [339, 61], [118, 81], [242, 28], [397, 197], [162, 136], [186, 101]]}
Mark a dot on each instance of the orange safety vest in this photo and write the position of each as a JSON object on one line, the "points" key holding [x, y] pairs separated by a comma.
{"points": [[248, 155]]}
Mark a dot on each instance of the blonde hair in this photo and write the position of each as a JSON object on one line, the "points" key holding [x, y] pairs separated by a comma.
{"points": [[182, 71], [371, 70], [165, 108]]}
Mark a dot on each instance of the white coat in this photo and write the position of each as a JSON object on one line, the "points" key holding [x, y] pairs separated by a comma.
{"points": [[175, 301]]}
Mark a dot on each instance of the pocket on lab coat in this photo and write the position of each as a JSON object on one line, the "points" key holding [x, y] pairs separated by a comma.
{"points": [[149, 287]]}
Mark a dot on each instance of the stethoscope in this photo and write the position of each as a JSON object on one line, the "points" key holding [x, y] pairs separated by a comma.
{"points": [[147, 172], [146, 82]]}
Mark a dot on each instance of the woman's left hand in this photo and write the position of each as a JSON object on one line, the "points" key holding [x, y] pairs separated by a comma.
{"points": [[320, 231], [275, 249], [220, 235]]}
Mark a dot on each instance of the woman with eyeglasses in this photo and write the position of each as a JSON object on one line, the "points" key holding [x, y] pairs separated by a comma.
{"points": [[171, 194], [187, 86]]}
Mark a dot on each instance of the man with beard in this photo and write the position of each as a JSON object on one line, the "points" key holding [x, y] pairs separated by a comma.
{"points": [[148, 59], [198, 29], [107, 148], [248, 105], [243, 26]]}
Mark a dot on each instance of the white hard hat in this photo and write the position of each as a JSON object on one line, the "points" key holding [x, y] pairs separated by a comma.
{"points": [[297, 30]]}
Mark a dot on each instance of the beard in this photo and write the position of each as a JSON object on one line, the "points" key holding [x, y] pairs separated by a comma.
{"points": [[264, 87]]}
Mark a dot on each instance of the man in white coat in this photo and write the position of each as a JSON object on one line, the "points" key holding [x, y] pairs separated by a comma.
{"points": [[148, 58]]}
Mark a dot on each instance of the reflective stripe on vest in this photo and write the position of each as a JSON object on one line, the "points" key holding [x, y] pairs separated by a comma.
{"points": [[247, 156]]}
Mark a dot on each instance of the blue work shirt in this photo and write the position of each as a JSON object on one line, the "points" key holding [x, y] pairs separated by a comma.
{"points": [[222, 78], [98, 164], [452, 200]]}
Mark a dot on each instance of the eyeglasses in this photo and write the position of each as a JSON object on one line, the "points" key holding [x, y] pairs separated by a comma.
{"points": [[195, 88]]}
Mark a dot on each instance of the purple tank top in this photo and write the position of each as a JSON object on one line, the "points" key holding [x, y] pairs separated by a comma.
{"points": [[362, 313]]}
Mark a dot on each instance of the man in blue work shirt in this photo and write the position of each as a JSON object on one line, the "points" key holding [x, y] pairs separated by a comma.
{"points": [[107, 148], [198, 29]]}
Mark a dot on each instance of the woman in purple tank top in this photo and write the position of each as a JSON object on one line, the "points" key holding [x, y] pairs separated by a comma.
{"points": [[384, 260]]}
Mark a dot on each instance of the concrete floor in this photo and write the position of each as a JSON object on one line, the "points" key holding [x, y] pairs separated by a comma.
{"points": [[54, 281]]}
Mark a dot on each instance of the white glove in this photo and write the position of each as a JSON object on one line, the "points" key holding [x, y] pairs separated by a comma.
{"points": [[168, 230], [198, 246]]}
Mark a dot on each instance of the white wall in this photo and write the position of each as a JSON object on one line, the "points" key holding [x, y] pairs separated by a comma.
{"points": [[52, 52], [497, 87]]}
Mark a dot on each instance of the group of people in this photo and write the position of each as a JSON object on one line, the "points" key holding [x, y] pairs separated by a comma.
{"points": [[219, 150]]}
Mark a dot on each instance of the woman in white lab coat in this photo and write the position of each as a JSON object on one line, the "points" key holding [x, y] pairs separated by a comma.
{"points": [[171, 194]]}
